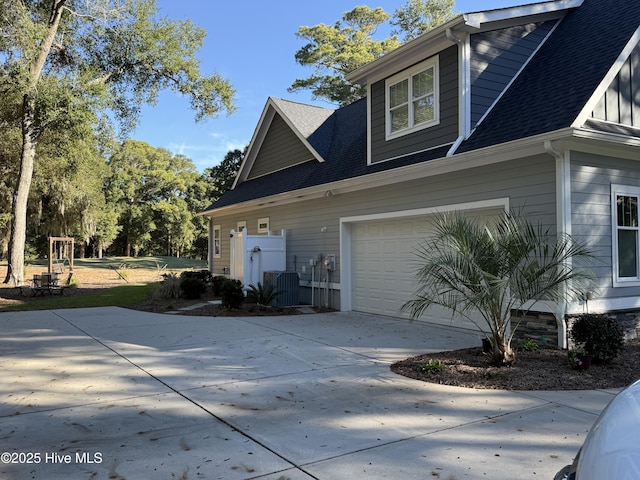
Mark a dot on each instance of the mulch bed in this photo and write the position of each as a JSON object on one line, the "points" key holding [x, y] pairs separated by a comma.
{"points": [[545, 369]]}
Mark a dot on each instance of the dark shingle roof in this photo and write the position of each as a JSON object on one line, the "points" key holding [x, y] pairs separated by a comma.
{"points": [[312, 122], [548, 95], [554, 87]]}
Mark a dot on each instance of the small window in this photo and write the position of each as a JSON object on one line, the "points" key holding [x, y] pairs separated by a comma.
{"points": [[241, 226], [263, 225], [626, 248], [216, 241], [412, 99]]}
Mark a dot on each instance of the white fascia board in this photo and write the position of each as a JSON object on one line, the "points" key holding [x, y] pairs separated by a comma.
{"points": [[424, 46], [476, 158], [268, 113], [295, 130], [254, 145], [434, 41], [568, 138], [613, 72], [479, 20]]}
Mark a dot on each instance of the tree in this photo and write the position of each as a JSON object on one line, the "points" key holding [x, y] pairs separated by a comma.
{"points": [[417, 17], [337, 50], [148, 187], [497, 271], [65, 58], [67, 190], [219, 179]]}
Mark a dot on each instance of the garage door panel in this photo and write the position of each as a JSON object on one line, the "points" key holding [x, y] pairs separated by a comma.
{"points": [[385, 263]]}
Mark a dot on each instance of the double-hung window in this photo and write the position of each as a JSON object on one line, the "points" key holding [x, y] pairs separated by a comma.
{"points": [[626, 248], [412, 101]]}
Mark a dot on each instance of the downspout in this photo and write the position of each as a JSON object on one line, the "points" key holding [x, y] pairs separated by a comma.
{"points": [[464, 97], [563, 222]]}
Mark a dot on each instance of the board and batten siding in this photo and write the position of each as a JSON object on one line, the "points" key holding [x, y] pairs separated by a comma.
{"points": [[443, 133], [496, 57], [591, 180], [281, 148], [621, 101], [528, 183]]}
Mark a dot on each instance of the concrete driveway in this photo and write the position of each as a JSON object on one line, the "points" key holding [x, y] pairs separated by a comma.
{"points": [[111, 393]]}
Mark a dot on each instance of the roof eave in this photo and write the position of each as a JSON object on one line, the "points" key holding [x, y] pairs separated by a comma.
{"points": [[270, 109], [437, 40], [458, 162]]}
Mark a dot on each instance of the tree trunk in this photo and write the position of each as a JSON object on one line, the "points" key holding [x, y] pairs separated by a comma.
{"points": [[15, 271], [502, 355], [30, 135]]}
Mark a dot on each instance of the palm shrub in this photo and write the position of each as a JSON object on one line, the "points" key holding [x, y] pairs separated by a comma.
{"points": [[599, 335], [263, 295], [169, 287], [492, 271]]}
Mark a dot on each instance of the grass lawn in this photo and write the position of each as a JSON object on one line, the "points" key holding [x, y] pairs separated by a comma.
{"points": [[152, 263], [122, 295]]}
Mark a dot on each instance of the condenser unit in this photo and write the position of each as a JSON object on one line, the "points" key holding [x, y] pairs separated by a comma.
{"points": [[288, 283]]}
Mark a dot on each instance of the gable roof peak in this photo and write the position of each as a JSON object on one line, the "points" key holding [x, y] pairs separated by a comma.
{"points": [[440, 38]]}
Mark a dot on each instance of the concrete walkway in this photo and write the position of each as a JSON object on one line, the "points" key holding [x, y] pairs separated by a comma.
{"points": [[111, 393]]}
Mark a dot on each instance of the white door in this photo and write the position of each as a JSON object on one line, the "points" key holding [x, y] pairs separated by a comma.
{"points": [[384, 266]]}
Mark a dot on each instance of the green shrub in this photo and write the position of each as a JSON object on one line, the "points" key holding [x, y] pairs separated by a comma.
{"points": [[528, 345], [192, 287], [432, 366], [231, 293], [216, 284], [169, 287], [599, 336], [263, 294], [203, 275]]}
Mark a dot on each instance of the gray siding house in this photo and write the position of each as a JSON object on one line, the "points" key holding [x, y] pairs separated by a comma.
{"points": [[534, 107]]}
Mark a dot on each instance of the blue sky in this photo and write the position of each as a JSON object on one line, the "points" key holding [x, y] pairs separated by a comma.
{"points": [[252, 43]]}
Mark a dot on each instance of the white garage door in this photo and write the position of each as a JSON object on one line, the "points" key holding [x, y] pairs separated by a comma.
{"points": [[384, 265]]}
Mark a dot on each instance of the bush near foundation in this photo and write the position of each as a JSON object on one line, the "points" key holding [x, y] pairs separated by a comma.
{"points": [[216, 284], [599, 335], [192, 287], [231, 294]]}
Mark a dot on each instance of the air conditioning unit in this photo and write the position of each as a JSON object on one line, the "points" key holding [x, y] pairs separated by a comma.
{"points": [[288, 283]]}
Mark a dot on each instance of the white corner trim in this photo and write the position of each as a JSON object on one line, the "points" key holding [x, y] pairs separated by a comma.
{"points": [[369, 136], [477, 19]]}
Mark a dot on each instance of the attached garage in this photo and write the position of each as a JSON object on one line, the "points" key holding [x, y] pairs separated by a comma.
{"points": [[383, 263]]}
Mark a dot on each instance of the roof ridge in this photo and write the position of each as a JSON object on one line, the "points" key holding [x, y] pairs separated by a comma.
{"points": [[295, 102]]}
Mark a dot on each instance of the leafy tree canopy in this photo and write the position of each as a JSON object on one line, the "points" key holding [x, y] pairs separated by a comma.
{"points": [[336, 50], [64, 63], [418, 16], [220, 178]]}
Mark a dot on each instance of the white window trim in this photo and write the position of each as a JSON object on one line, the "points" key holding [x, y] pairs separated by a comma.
{"points": [[629, 191], [263, 221], [217, 238], [433, 62]]}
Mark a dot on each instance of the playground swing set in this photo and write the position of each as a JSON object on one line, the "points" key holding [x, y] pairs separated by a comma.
{"points": [[49, 281]]}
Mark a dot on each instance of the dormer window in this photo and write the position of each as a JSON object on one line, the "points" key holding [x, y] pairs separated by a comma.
{"points": [[412, 101]]}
